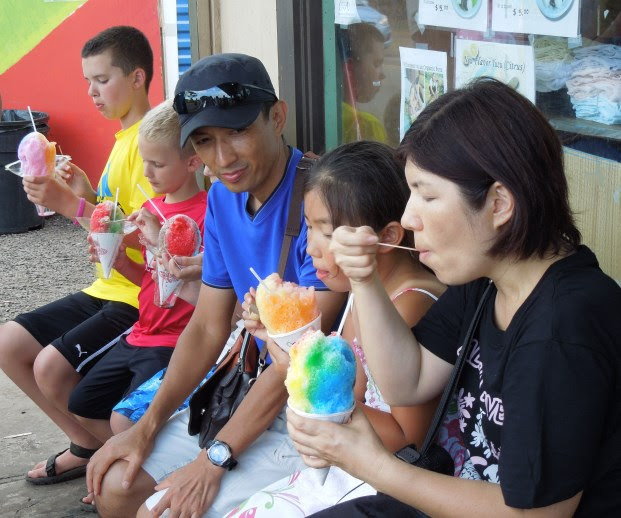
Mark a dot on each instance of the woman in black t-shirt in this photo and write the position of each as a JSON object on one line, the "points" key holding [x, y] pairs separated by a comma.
{"points": [[538, 399]]}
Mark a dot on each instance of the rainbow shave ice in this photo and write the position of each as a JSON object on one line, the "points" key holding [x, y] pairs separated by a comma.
{"points": [[321, 374]]}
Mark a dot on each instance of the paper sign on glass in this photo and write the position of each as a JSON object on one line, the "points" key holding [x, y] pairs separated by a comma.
{"points": [[423, 79], [546, 17], [457, 14], [514, 65], [345, 12]]}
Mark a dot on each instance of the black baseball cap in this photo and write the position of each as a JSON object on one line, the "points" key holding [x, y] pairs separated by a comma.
{"points": [[216, 70]]}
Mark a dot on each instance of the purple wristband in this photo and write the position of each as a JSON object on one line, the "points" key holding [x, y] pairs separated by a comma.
{"points": [[80, 211]]}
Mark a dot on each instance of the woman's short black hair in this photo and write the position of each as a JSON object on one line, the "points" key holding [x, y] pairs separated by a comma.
{"points": [[487, 132], [361, 183], [129, 47]]}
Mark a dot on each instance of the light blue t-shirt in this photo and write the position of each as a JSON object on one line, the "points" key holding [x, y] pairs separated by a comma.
{"points": [[235, 241]]}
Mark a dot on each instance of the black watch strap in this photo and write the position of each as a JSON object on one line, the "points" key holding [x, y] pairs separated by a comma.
{"points": [[408, 454]]}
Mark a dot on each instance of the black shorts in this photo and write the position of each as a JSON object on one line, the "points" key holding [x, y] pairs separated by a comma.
{"points": [[121, 371], [80, 326]]}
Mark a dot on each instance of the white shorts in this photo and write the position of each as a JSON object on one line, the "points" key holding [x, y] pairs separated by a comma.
{"points": [[271, 457]]}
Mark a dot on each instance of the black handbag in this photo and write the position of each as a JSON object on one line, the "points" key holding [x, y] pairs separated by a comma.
{"points": [[216, 400], [432, 456]]}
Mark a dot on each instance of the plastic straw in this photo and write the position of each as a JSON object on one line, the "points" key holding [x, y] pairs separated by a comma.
{"points": [[151, 201], [350, 301], [259, 279], [398, 246], [34, 126], [116, 201]]}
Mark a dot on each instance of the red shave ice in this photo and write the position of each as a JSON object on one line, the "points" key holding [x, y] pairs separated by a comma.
{"points": [[37, 155], [102, 218], [182, 236]]}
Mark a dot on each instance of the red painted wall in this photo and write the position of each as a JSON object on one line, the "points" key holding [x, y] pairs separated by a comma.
{"points": [[49, 79]]}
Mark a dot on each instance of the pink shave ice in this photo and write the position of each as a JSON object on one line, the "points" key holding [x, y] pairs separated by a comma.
{"points": [[37, 155]]}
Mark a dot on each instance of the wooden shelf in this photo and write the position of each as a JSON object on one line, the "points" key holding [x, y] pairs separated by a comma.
{"points": [[586, 127]]}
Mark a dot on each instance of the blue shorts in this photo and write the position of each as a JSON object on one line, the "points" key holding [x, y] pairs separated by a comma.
{"points": [[136, 403]]}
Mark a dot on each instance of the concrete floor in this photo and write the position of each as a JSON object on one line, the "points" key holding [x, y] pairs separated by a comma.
{"points": [[18, 498]]}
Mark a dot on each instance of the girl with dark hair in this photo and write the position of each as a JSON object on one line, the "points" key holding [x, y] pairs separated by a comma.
{"points": [[356, 184], [538, 398]]}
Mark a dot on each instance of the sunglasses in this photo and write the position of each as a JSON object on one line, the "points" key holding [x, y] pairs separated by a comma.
{"points": [[225, 95]]}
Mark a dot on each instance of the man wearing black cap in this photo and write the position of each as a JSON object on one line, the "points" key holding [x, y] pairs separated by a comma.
{"points": [[228, 108]]}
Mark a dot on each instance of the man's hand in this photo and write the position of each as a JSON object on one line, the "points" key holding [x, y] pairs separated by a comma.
{"points": [[187, 269], [77, 181], [250, 315], [49, 192], [190, 490], [130, 445]]}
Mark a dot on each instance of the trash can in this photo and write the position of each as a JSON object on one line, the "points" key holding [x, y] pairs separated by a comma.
{"points": [[17, 213]]}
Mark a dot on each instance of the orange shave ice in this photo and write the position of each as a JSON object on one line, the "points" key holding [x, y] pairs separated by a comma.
{"points": [[37, 154], [284, 306]]}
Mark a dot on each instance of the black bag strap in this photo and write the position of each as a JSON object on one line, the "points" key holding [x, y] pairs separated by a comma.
{"points": [[292, 230], [438, 417], [293, 217]]}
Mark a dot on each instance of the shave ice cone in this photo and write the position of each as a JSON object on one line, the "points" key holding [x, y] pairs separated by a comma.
{"points": [[179, 236], [320, 381], [106, 227], [286, 310], [167, 288]]}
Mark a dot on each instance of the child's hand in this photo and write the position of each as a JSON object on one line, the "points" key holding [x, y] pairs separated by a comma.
{"points": [[76, 179], [251, 318], [92, 251], [186, 268], [148, 224], [49, 192], [354, 252], [280, 358]]}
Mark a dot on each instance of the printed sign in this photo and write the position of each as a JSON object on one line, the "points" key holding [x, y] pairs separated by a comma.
{"points": [[546, 17], [457, 14], [423, 79], [514, 65]]}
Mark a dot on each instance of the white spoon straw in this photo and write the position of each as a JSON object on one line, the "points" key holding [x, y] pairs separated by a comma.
{"points": [[116, 201], [259, 279], [350, 301], [150, 201], [34, 126], [398, 246]]}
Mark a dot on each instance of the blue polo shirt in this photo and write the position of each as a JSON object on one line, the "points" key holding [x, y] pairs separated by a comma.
{"points": [[236, 240]]}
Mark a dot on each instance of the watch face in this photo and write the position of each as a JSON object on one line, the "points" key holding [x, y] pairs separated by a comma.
{"points": [[219, 453]]}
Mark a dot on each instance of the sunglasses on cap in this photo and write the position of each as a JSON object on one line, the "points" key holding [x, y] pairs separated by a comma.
{"points": [[225, 95]]}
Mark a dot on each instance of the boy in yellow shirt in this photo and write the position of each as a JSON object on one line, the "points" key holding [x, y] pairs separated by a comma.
{"points": [[46, 352]]}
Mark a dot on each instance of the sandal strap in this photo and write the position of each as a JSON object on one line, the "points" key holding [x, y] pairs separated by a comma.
{"points": [[50, 465], [81, 452]]}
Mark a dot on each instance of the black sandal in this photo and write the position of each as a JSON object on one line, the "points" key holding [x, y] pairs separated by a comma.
{"points": [[50, 467]]}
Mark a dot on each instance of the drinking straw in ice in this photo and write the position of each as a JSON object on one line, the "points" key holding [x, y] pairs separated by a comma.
{"points": [[116, 201], [34, 126], [150, 201], [259, 279], [350, 301]]}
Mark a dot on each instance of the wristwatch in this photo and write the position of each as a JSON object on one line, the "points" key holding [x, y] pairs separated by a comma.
{"points": [[220, 454], [408, 454]]}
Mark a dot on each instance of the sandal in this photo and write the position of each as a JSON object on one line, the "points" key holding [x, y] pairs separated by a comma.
{"points": [[73, 473]]}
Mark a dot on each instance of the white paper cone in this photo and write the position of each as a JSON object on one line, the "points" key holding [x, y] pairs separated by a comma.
{"points": [[286, 340], [167, 284], [318, 475], [107, 246]]}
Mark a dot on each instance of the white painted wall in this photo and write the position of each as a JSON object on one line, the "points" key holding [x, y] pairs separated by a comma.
{"points": [[249, 27]]}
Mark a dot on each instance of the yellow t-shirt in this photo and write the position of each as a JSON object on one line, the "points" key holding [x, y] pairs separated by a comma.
{"points": [[123, 170], [370, 127]]}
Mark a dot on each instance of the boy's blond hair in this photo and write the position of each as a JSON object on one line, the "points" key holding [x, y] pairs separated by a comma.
{"points": [[161, 125]]}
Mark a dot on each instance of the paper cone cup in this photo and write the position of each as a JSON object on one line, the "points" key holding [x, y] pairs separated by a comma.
{"points": [[107, 246], [286, 340], [167, 288], [318, 475]]}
